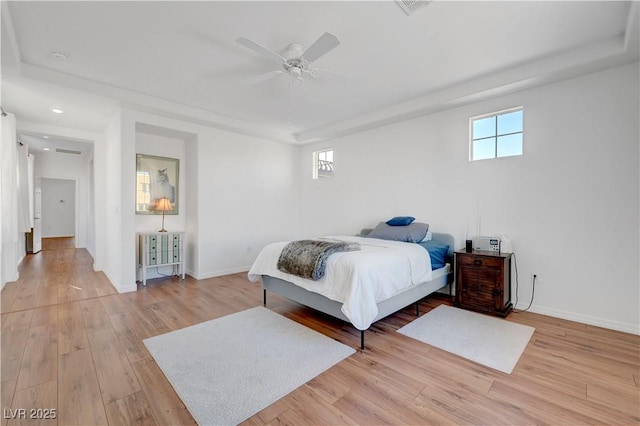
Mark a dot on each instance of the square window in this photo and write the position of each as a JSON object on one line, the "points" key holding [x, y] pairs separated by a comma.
{"points": [[496, 135], [323, 164]]}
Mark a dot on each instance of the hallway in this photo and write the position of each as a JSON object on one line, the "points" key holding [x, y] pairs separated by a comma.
{"points": [[58, 274]]}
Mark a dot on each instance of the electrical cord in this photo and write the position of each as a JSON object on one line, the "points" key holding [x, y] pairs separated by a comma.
{"points": [[533, 290], [533, 293], [163, 275], [160, 274]]}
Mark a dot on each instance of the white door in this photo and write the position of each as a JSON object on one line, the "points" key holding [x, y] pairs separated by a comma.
{"points": [[58, 208]]}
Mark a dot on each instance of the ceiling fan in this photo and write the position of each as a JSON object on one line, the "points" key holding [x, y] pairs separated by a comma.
{"points": [[294, 62]]}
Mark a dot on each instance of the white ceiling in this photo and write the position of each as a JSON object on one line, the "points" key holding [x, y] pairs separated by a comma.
{"points": [[181, 59]]}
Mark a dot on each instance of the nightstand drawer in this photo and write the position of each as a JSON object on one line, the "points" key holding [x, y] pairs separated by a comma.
{"points": [[484, 277], [480, 261], [164, 257], [177, 246]]}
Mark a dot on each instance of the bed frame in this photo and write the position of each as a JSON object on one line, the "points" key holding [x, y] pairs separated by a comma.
{"points": [[385, 308]]}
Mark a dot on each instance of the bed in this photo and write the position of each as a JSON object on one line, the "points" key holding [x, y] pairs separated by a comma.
{"points": [[376, 292]]}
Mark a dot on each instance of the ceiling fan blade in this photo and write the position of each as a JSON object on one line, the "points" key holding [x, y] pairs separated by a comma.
{"points": [[325, 43], [317, 71], [262, 77], [261, 50]]}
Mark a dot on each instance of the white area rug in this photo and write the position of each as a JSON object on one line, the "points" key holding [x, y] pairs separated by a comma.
{"points": [[486, 340], [227, 369]]}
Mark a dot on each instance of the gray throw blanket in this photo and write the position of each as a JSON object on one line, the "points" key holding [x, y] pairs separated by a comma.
{"points": [[308, 258]]}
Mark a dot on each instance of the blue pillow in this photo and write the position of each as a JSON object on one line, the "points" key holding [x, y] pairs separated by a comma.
{"points": [[437, 252], [400, 221]]}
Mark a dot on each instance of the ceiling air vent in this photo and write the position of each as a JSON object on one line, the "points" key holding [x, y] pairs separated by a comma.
{"points": [[410, 6], [68, 151]]}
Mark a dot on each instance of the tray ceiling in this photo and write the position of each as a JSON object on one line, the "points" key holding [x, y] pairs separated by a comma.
{"points": [[182, 59]]}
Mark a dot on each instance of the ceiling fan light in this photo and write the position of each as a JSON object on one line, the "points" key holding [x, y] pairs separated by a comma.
{"points": [[293, 52], [295, 71]]}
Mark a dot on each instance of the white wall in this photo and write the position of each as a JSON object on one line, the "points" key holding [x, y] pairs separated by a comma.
{"points": [[240, 193], [109, 204], [191, 173], [248, 198], [569, 204], [91, 218]]}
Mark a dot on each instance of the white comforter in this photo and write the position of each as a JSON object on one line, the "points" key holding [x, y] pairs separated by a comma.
{"points": [[357, 279]]}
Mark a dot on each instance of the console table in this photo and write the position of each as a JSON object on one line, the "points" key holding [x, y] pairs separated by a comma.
{"points": [[161, 249]]}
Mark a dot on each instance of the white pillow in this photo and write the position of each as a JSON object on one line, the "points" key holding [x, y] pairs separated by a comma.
{"points": [[427, 237]]}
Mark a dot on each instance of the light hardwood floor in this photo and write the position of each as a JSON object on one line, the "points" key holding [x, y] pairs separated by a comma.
{"points": [[71, 343]]}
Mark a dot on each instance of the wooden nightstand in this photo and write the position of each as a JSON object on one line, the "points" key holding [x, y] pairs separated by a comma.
{"points": [[483, 282]]}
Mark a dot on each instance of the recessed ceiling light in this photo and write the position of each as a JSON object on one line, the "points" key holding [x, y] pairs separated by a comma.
{"points": [[46, 137], [57, 110], [46, 149]]}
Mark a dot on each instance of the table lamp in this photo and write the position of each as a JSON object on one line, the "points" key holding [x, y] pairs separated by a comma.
{"points": [[163, 204]]}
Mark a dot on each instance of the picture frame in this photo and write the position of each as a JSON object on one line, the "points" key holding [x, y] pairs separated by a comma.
{"points": [[156, 177]]}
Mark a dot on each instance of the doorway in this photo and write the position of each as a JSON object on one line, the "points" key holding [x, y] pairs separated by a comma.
{"points": [[58, 208]]}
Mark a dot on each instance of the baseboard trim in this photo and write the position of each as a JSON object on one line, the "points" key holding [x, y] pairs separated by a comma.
{"points": [[12, 278], [585, 319], [220, 273], [117, 286], [127, 289]]}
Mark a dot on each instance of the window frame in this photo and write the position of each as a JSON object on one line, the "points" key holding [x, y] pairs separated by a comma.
{"points": [[316, 160], [496, 135]]}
